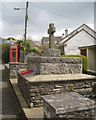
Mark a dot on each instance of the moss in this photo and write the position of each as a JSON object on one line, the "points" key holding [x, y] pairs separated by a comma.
{"points": [[84, 61], [72, 89]]}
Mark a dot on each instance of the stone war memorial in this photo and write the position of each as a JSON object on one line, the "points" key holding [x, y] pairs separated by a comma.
{"points": [[58, 85]]}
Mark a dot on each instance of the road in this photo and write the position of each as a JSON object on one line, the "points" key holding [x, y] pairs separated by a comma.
{"points": [[8, 102]]}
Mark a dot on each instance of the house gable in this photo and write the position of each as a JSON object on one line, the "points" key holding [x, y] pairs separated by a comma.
{"points": [[78, 40], [91, 32]]}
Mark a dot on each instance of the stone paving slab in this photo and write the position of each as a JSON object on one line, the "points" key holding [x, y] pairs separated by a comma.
{"points": [[91, 72], [68, 102], [58, 77], [36, 112]]}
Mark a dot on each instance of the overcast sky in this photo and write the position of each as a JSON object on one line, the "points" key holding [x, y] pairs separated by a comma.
{"points": [[64, 15]]}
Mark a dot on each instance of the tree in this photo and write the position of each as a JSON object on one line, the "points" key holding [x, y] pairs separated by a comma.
{"points": [[9, 38], [20, 44]]}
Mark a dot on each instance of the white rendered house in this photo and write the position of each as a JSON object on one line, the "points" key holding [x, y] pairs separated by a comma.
{"points": [[82, 41]]}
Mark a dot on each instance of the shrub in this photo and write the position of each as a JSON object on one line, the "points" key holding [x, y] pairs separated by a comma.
{"points": [[35, 50], [84, 61], [62, 53], [5, 53], [20, 44], [9, 38]]}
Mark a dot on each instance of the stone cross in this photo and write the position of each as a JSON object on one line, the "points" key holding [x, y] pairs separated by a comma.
{"points": [[51, 31]]}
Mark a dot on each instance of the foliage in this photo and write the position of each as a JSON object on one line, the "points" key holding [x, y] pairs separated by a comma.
{"points": [[72, 89], [5, 53], [20, 44], [84, 61], [62, 53], [9, 38], [35, 50]]}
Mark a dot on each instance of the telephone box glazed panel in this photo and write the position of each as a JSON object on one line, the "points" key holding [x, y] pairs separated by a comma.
{"points": [[13, 53]]}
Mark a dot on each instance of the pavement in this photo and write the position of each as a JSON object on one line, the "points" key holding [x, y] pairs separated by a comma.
{"points": [[8, 103], [1, 67], [30, 113], [7, 100]]}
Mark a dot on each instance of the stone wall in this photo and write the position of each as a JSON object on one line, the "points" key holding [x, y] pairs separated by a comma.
{"points": [[55, 65], [32, 91], [14, 67], [77, 115]]}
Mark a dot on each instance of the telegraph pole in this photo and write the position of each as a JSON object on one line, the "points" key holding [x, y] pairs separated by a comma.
{"points": [[26, 18]]}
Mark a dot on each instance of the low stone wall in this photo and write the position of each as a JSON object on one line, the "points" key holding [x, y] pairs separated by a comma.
{"points": [[14, 67], [33, 90], [91, 72], [55, 65]]}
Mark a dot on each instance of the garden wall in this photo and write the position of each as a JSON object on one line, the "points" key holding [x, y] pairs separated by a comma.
{"points": [[13, 67], [32, 90]]}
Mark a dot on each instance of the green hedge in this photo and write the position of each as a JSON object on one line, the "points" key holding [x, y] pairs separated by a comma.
{"points": [[84, 61], [5, 53]]}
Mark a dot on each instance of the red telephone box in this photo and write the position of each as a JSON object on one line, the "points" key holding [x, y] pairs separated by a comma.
{"points": [[13, 53]]}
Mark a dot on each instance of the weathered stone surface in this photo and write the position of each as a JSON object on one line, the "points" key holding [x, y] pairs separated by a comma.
{"points": [[40, 59], [68, 105], [51, 31], [30, 54], [91, 72], [55, 65], [52, 52], [14, 67]]}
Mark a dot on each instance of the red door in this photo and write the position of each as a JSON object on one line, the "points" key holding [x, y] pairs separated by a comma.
{"points": [[84, 52]]}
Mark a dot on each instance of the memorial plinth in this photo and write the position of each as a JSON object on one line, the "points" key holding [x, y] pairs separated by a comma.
{"points": [[55, 65], [69, 105]]}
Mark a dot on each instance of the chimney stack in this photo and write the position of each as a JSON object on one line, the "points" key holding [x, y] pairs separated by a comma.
{"points": [[66, 32], [62, 35]]}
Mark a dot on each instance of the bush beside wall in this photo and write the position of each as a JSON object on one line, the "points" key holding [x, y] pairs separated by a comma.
{"points": [[84, 61], [5, 53]]}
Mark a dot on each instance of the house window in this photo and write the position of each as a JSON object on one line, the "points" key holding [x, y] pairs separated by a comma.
{"points": [[84, 52]]}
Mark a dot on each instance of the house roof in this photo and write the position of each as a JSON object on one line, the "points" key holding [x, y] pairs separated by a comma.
{"points": [[57, 38], [91, 46], [83, 27]]}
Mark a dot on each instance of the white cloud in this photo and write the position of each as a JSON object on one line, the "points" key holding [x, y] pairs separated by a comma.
{"points": [[0, 28], [39, 19], [48, 0]]}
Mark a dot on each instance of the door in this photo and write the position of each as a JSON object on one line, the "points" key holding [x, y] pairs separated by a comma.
{"points": [[84, 52]]}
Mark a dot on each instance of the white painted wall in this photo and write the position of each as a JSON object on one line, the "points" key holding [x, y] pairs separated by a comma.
{"points": [[92, 58], [79, 40]]}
